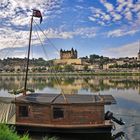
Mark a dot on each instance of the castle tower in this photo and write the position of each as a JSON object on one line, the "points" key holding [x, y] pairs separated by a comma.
{"points": [[69, 54], [76, 54]]}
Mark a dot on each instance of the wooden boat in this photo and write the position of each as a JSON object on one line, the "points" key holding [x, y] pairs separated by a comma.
{"points": [[62, 113], [69, 114], [58, 113]]}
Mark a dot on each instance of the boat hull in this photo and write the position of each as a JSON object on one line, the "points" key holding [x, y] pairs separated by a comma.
{"points": [[88, 129]]}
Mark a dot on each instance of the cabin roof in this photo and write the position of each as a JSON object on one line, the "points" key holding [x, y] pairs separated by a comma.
{"points": [[65, 99]]}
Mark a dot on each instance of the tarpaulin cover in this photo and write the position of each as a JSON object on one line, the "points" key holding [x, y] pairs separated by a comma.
{"points": [[7, 112]]}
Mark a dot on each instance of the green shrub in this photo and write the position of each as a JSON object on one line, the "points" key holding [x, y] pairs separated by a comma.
{"points": [[50, 138], [8, 133]]}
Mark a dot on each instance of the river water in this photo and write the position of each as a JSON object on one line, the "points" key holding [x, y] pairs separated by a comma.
{"points": [[126, 91]]}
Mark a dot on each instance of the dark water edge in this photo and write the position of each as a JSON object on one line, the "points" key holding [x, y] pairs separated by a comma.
{"points": [[94, 136], [40, 136]]}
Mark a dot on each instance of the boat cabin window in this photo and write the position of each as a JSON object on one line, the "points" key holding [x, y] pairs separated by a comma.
{"points": [[23, 111], [58, 113]]}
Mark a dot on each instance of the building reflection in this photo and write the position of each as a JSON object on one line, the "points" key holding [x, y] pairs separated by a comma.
{"points": [[71, 85]]}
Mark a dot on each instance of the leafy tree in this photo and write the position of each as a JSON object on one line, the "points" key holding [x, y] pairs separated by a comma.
{"points": [[68, 68], [56, 68], [85, 67]]}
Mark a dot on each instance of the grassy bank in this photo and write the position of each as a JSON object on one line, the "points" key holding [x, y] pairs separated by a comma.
{"points": [[9, 133]]}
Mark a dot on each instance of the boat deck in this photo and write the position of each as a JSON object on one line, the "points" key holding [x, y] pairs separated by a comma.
{"points": [[63, 99]]}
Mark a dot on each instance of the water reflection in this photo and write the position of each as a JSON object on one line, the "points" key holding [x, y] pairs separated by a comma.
{"points": [[126, 91], [72, 84], [109, 136], [74, 136]]}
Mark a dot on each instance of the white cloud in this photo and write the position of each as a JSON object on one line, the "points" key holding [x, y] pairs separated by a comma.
{"points": [[55, 33], [128, 50], [15, 17], [17, 11], [116, 16], [92, 18], [122, 32], [114, 33], [96, 10], [101, 23], [120, 7], [121, 12], [10, 38], [86, 32], [120, 1], [99, 16], [83, 32], [109, 7], [107, 17], [128, 15], [136, 8]]}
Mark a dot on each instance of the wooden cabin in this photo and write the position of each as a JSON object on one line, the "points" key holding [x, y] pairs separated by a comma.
{"points": [[63, 113]]}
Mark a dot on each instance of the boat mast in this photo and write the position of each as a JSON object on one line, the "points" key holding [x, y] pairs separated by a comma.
{"points": [[28, 57]]}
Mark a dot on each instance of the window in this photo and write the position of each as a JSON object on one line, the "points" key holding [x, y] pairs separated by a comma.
{"points": [[23, 111], [58, 113]]}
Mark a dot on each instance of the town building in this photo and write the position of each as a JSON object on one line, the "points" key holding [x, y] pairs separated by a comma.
{"points": [[94, 67]]}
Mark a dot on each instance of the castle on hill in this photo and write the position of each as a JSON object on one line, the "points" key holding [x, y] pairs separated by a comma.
{"points": [[69, 57], [69, 54]]}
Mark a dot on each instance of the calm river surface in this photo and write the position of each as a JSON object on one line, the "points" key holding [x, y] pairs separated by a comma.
{"points": [[126, 91]]}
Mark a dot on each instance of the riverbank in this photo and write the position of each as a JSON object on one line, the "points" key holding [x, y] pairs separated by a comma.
{"points": [[75, 74]]}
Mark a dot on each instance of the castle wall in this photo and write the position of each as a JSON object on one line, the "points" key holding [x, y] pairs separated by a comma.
{"points": [[68, 61]]}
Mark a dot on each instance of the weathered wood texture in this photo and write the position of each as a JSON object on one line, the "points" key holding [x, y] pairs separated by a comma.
{"points": [[73, 114]]}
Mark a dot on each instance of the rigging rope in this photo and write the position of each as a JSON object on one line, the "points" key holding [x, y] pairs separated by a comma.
{"points": [[12, 47], [49, 41], [55, 76], [47, 37]]}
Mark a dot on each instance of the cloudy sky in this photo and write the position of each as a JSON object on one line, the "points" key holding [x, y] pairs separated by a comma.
{"points": [[104, 27]]}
